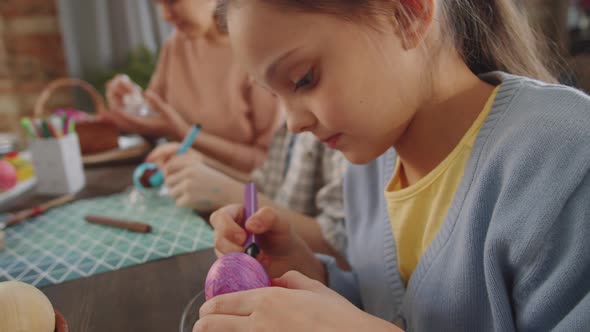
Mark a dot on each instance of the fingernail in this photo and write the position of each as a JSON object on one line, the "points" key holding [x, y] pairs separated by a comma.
{"points": [[255, 224]]}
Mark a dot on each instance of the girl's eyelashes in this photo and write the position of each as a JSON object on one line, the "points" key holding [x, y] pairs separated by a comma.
{"points": [[304, 82]]}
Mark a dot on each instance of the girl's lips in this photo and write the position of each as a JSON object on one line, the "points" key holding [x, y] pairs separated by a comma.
{"points": [[332, 141]]}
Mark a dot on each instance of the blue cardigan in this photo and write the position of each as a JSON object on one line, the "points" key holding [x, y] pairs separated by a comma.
{"points": [[513, 252]]}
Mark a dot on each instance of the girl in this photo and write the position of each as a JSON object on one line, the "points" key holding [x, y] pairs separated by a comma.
{"points": [[197, 81], [469, 207]]}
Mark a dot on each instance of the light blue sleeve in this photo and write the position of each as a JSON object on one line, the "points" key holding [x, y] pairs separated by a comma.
{"points": [[553, 293], [343, 282]]}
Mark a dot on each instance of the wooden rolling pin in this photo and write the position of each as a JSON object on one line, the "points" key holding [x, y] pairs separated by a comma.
{"points": [[133, 226]]}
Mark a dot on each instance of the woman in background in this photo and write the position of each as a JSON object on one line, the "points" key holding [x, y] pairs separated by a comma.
{"points": [[197, 81]]}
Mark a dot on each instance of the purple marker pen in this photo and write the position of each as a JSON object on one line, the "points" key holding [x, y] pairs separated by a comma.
{"points": [[250, 207]]}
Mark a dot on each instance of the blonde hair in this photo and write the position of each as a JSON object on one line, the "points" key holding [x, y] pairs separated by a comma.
{"points": [[489, 34], [495, 35]]}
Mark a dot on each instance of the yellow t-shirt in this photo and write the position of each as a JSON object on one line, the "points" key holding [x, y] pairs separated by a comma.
{"points": [[418, 211]]}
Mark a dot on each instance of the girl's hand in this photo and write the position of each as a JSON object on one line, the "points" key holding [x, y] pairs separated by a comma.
{"points": [[297, 304], [282, 249], [164, 152], [193, 184]]}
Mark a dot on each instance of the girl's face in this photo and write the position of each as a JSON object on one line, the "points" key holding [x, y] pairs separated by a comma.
{"points": [[191, 17], [352, 85]]}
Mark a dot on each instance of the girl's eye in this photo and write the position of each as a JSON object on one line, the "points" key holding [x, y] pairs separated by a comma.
{"points": [[305, 81]]}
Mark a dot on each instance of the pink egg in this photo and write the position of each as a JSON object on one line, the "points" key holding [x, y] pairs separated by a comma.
{"points": [[233, 273], [7, 176]]}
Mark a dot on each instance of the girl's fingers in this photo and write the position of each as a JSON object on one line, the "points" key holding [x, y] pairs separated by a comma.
{"points": [[234, 212], [296, 280], [225, 243], [233, 304], [184, 201], [229, 236], [225, 323], [264, 221], [173, 181], [163, 152], [175, 191], [178, 163]]}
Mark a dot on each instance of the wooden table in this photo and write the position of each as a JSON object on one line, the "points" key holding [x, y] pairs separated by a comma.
{"points": [[145, 297]]}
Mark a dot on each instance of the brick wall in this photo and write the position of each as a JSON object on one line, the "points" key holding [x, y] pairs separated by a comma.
{"points": [[31, 55]]}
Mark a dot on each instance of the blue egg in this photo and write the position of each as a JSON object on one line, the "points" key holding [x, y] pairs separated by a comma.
{"points": [[147, 176]]}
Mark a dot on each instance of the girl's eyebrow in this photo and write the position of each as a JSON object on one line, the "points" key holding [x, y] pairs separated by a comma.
{"points": [[271, 70]]}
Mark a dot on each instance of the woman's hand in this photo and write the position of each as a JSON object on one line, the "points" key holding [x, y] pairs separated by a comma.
{"points": [[295, 304], [116, 89], [153, 126], [166, 122]]}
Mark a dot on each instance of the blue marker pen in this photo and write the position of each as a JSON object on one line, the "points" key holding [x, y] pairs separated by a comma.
{"points": [[189, 139]]}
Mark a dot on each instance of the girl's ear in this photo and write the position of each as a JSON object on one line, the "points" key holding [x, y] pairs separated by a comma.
{"points": [[412, 19]]}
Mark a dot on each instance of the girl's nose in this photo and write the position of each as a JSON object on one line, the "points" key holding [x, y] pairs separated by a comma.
{"points": [[300, 120]]}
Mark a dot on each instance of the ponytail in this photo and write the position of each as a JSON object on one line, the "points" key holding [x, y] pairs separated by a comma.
{"points": [[495, 35]]}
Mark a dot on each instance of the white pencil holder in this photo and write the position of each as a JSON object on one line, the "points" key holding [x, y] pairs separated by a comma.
{"points": [[58, 165]]}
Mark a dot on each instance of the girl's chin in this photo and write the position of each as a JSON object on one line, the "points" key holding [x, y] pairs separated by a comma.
{"points": [[360, 156]]}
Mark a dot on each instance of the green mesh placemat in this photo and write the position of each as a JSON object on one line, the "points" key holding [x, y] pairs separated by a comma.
{"points": [[60, 245]]}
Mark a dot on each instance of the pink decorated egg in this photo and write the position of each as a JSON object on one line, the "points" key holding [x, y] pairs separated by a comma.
{"points": [[8, 176], [233, 273]]}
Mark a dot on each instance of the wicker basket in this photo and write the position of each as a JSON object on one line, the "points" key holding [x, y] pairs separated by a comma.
{"points": [[95, 135]]}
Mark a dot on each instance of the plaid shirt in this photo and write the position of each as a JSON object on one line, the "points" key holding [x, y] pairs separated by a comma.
{"points": [[302, 174]]}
